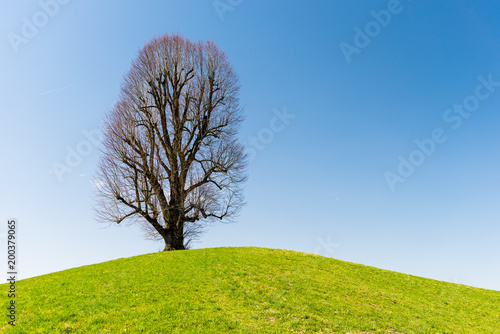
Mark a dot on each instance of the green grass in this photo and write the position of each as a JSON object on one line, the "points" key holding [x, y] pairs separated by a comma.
{"points": [[245, 290]]}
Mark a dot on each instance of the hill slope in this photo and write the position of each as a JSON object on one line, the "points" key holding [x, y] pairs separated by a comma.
{"points": [[246, 290]]}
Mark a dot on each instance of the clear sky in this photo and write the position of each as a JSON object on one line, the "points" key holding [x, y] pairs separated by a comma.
{"points": [[373, 128]]}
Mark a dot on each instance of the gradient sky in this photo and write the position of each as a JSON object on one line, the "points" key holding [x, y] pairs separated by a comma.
{"points": [[318, 177]]}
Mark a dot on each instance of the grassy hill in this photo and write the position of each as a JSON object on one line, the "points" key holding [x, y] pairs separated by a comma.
{"points": [[245, 290]]}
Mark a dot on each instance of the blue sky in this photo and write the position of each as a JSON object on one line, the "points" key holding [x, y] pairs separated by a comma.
{"points": [[330, 127]]}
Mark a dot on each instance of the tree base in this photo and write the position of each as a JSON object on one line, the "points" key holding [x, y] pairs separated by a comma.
{"points": [[169, 248]]}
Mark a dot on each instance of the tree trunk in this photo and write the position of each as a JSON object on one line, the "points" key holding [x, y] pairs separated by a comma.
{"points": [[174, 240]]}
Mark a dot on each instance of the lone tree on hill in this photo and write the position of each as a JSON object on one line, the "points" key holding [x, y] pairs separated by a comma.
{"points": [[171, 160]]}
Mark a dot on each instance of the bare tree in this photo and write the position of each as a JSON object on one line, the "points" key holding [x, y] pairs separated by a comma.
{"points": [[171, 160]]}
